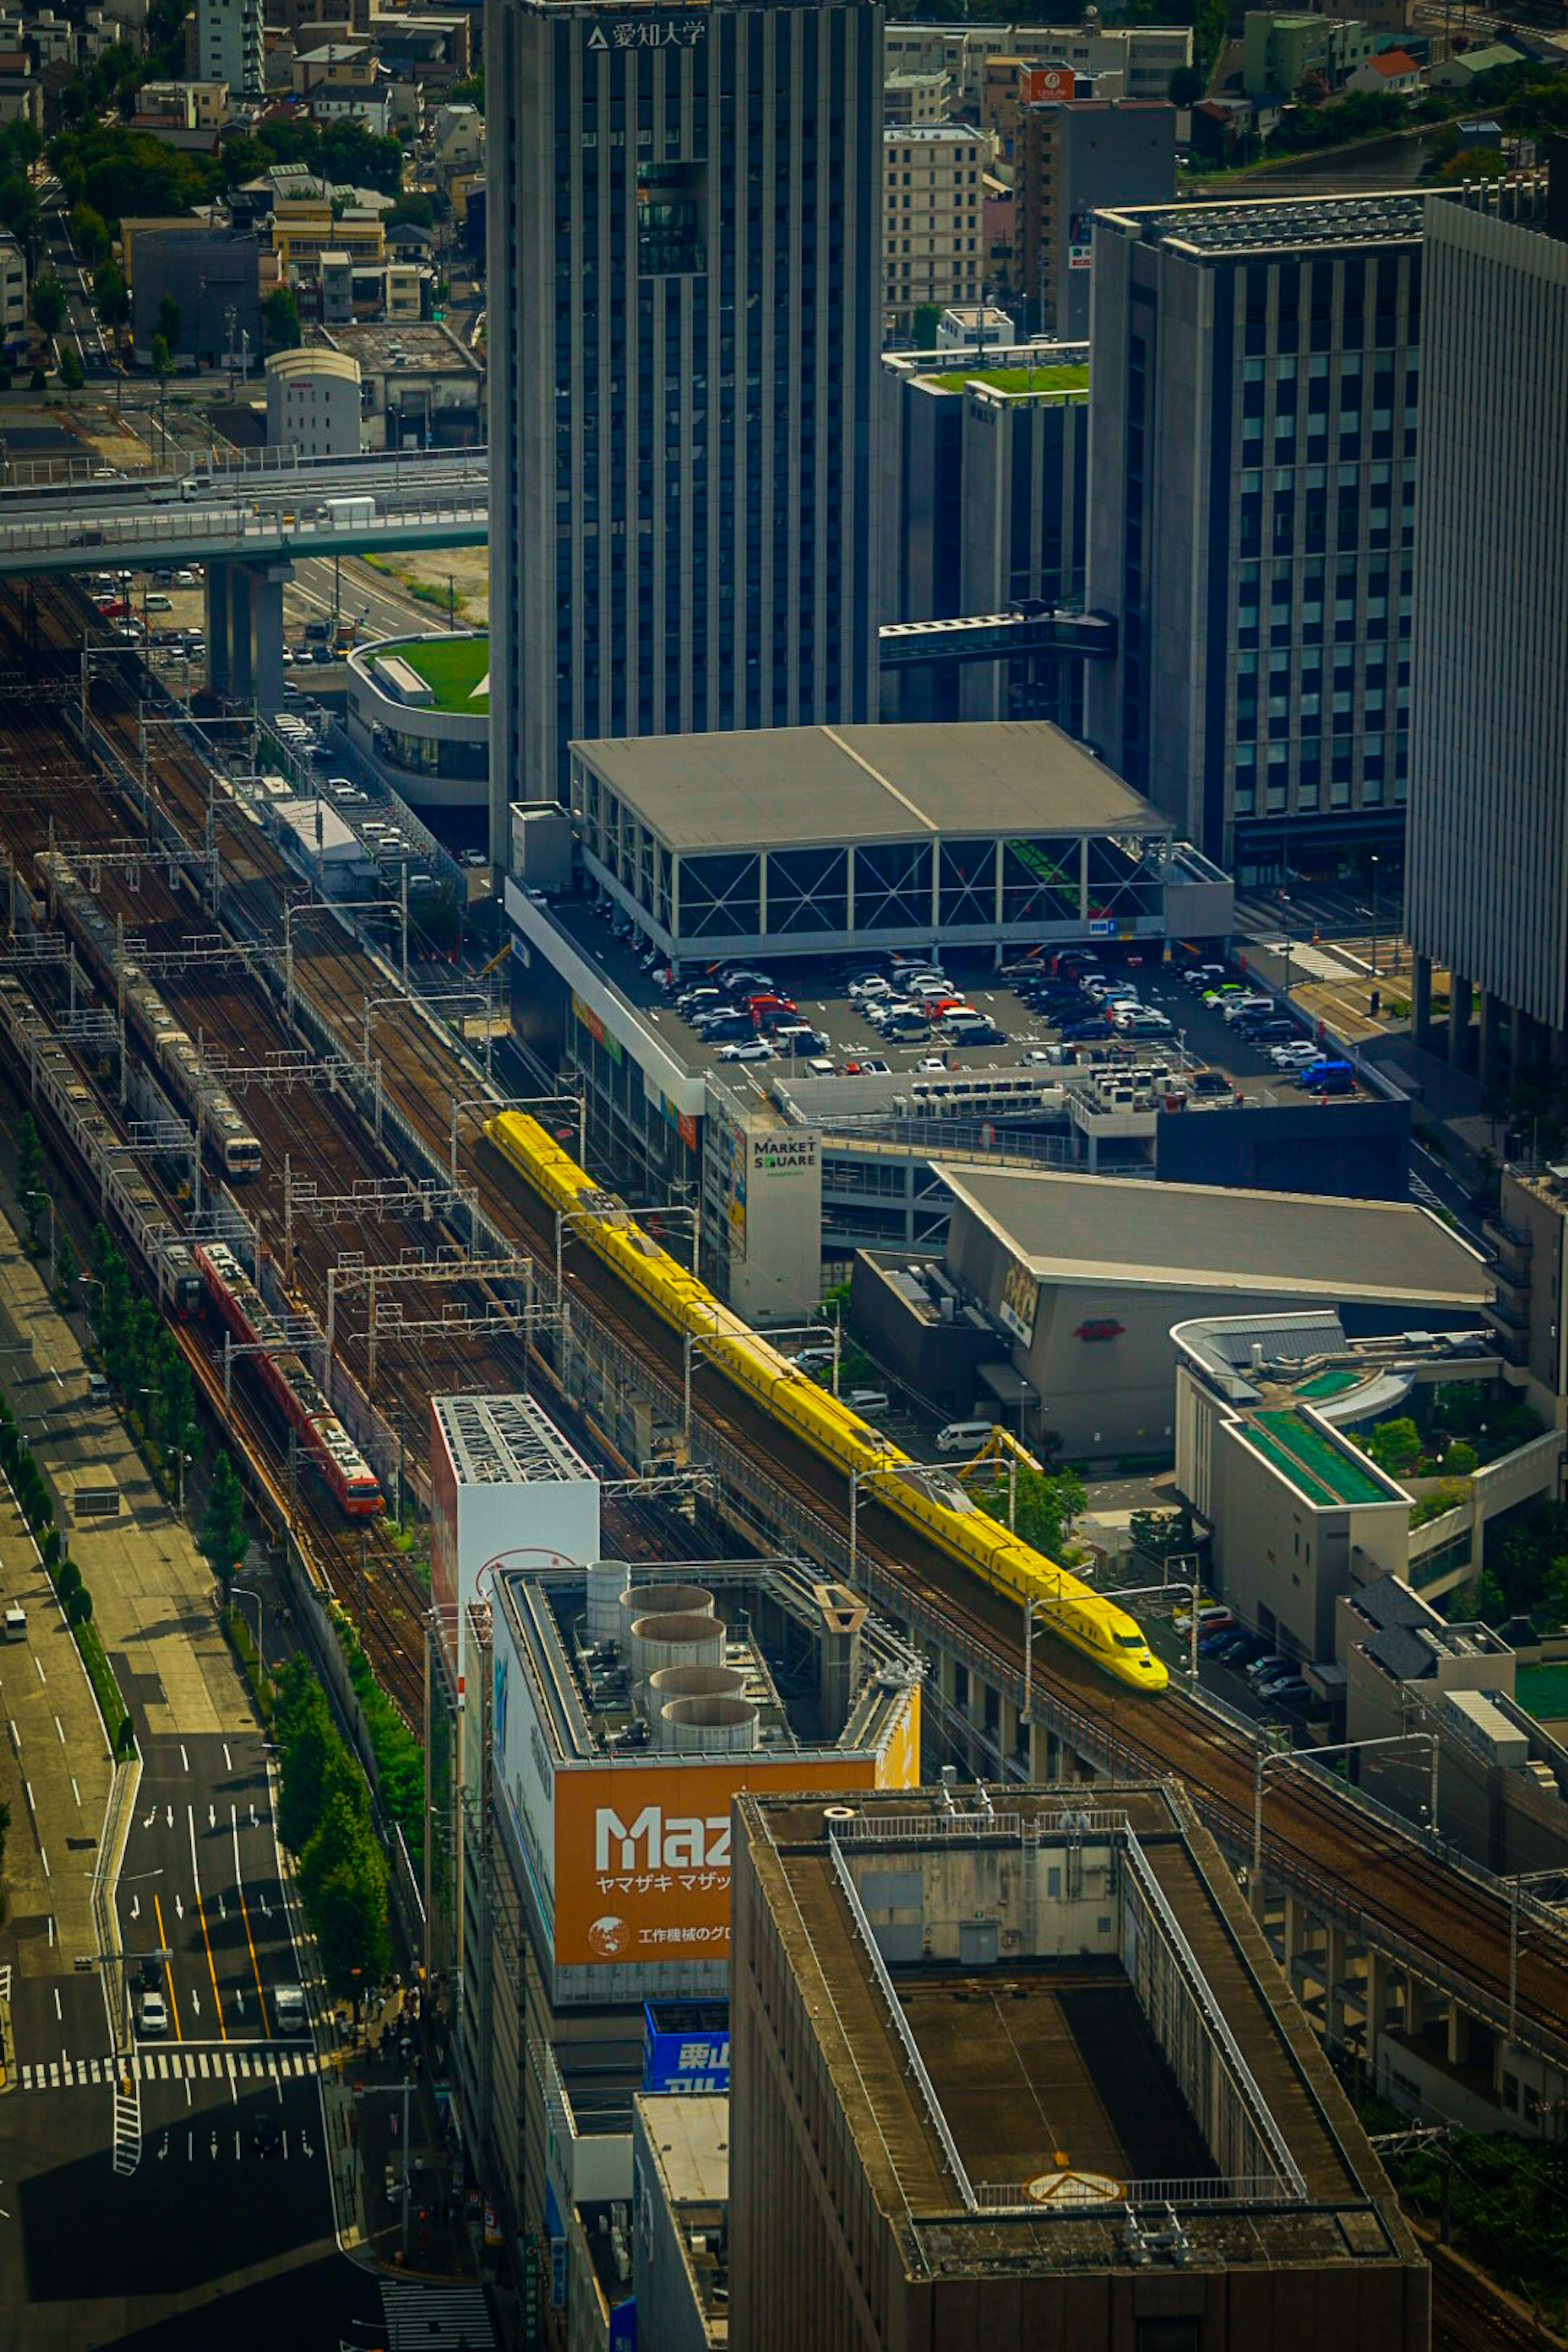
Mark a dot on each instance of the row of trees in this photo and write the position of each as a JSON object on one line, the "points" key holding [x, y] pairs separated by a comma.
{"points": [[36, 1505], [142, 1359], [324, 1818]]}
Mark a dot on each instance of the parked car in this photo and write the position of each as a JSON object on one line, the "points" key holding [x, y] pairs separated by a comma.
{"points": [[1210, 1083], [756, 1050], [1268, 1667], [1288, 1690]]}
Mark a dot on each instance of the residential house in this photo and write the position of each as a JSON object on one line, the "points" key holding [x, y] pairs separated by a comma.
{"points": [[21, 92], [1469, 66], [1391, 69]]}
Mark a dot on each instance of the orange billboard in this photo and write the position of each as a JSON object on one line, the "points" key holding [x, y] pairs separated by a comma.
{"points": [[1042, 83], [642, 1851]]}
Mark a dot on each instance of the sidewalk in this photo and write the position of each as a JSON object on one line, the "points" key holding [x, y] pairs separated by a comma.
{"points": [[152, 1589]]}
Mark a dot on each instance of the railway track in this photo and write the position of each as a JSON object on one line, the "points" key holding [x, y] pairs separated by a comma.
{"points": [[1470, 2315], [1392, 1880]]}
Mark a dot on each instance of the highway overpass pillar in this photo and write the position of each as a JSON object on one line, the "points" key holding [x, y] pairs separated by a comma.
{"points": [[1421, 1002], [245, 630]]}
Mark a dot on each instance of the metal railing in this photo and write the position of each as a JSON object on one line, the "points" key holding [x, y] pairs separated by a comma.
{"points": [[1078, 2201], [244, 529], [1224, 2042], [900, 2025]]}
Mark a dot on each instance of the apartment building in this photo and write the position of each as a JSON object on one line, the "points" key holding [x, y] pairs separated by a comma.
{"points": [[933, 245]]}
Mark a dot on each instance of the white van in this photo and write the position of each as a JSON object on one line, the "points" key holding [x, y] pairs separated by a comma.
{"points": [[15, 1622], [288, 2009], [963, 1436]]}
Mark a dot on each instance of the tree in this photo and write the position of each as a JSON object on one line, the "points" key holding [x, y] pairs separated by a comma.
{"points": [[169, 321], [1396, 1446], [343, 1876], [71, 375], [79, 1608], [1187, 86], [66, 1271], [924, 325], [48, 304], [469, 91], [109, 298], [29, 1173], [280, 317], [1047, 1506], [223, 1527]]}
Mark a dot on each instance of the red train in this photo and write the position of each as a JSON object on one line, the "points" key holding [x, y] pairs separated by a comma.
{"points": [[289, 1381]]}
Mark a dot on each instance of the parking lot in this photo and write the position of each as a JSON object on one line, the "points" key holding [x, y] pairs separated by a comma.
{"points": [[817, 997]]}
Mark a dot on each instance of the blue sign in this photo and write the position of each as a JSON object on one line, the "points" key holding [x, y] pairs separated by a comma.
{"points": [[624, 2327], [692, 2057]]}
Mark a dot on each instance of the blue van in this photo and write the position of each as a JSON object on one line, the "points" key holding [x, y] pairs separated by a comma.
{"points": [[1327, 1079]]}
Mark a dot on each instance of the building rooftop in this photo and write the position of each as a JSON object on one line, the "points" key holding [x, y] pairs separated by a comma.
{"points": [[1034, 381], [1278, 224], [780, 786], [1326, 1473], [504, 1441], [689, 2142], [456, 669], [1013, 2095], [1116, 1231], [587, 1699]]}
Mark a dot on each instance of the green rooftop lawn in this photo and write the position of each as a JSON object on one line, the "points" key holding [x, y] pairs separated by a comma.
{"points": [[451, 667], [1542, 1692], [1316, 1466], [1015, 379]]}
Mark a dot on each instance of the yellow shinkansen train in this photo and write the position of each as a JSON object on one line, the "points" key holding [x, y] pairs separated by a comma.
{"points": [[929, 1500]]}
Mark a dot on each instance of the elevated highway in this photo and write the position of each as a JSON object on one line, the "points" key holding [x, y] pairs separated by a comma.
{"points": [[246, 523]]}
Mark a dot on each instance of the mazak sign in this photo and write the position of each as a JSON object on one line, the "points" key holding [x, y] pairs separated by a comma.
{"points": [[1098, 1327], [652, 1842]]}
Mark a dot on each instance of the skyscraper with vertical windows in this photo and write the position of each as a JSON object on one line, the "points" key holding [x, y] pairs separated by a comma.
{"points": [[684, 335], [1254, 412]]}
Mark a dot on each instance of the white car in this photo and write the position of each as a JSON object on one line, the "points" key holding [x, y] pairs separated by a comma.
{"points": [[864, 989], [151, 2015], [755, 1049], [1294, 1056]]}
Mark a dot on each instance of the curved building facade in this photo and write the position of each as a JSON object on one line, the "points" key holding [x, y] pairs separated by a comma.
{"points": [[418, 714]]}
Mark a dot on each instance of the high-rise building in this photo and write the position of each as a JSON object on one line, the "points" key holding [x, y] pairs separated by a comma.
{"points": [[1486, 861], [932, 241], [1072, 156], [229, 46], [685, 326], [1254, 389], [983, 503]]}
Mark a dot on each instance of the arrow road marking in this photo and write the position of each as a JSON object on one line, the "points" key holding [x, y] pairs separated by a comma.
{"points": [[266, 1906], [151, 1819], [253, 1822], [195, 2002], [163, 2148], [221, 1911], [136, 1907], [212, 1818], [169, 1816], [215, 2148], [178, 1907]]}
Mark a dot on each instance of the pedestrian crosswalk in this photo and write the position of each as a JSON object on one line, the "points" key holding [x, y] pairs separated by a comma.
{"points": [[256, 2064], [436, 2315]]}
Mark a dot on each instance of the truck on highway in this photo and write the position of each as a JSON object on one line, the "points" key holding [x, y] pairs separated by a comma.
{"points": [[348, 514]]}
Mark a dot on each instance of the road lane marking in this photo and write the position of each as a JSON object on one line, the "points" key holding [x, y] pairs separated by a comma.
{"points": [[227, 1760], [184, 1760], [168, 1971], [243, 1912], [201, 1914], [38, 1663], [60, 1726], [76, 1793], [60, 2012]]}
